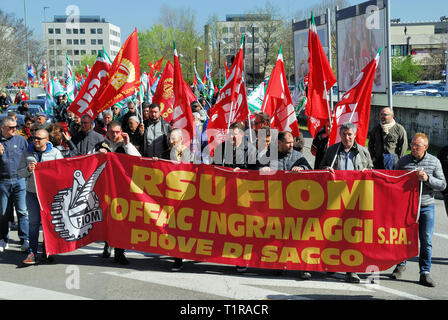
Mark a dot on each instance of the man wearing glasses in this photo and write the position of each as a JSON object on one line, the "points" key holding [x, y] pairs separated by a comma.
{"points": [[430, 173], [12, 186], [39, 150]]}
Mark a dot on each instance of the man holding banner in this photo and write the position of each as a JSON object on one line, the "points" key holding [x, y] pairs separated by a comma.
{"points": [[430, 173], [347, 155]]}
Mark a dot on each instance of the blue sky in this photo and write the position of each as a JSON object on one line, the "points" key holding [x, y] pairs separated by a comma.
{"points": [[128, 14]]}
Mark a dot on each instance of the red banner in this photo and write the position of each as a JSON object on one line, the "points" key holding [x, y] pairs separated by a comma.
{"points": [[345, 222]]}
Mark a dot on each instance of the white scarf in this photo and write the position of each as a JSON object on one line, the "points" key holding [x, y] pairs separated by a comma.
{"points": [[387, 126]]}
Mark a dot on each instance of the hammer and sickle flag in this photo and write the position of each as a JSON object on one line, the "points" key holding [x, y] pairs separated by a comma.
{"points": [[123, 77]]}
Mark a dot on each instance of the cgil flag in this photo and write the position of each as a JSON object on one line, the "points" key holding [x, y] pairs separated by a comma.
{"points": [[231, 105], [164, 95], [183, 97], [320, 77], [92, 85], [355, 105], [278, 102], [123, 77]]}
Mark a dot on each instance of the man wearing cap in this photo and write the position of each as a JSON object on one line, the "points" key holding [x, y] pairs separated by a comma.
{"points": [[41, 119]]}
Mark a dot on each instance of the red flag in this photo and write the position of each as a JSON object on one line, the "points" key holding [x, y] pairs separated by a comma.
{"points": [[227, 69], [231, 105], [278, 102], [320, 77], [124, 76], [355, 105], [182, 115], [156, 66], [92, 87], [164, 95]]}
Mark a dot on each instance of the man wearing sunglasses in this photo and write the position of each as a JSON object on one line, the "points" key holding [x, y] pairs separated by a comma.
{"points": [[12, 186], [39, 150]]}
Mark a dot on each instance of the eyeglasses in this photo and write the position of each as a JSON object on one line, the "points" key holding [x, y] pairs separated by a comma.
{"points": [[39, 138], [11, 128], [385, 114], [417, 145]]}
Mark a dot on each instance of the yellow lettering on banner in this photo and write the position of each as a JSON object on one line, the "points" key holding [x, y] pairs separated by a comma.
{"points": [[289, 254], [312, 229], [234, 229], [248, 191], [184, 245], [212, 193], [292, 228], [167, 241], [232, 250], [119, 209], [218, 220], [368, 231], [269, 253], [138, 235], [273, 228], [393, 235], [402, 237], [254, 224], [179, 186], [362, 192], [181, 215], [307, 255], [151, 211], [204, 221], [349, 235], [327, 256], [275, 194], [352, 258], [295, 190], [332, 233], [204, 247], [382, 238], [146, 180], [135, 210]]}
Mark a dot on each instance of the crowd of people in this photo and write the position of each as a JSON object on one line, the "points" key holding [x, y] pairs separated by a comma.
{"points": [[142, 131]]}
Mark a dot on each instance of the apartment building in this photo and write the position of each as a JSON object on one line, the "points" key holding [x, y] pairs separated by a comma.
{"points": [[77, 38]]}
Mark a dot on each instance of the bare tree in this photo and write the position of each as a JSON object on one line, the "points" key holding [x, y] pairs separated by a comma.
{"points": [[13, 36]]}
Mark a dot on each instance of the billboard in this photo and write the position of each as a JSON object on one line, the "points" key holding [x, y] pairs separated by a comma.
{"points": [[361, 31], [300, 32]]}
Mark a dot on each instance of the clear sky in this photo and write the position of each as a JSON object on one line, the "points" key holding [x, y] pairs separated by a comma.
{"points": [[128, 14]]}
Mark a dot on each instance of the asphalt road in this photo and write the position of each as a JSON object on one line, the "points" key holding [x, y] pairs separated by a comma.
{"points": [[84, 274]]}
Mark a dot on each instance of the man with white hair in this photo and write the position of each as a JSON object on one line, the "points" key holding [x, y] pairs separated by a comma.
{"points": [[134, 133]]}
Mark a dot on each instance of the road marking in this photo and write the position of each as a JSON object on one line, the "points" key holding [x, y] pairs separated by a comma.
{"points": [[234, 287], [242, 288], [14, 291], [441, 235]]}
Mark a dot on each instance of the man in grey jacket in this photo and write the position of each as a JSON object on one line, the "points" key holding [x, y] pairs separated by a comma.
{"points": [[430, 173], [39, 151]]}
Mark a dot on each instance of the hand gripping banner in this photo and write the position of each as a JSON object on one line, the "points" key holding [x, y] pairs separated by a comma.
{"points": [[349, 221]]}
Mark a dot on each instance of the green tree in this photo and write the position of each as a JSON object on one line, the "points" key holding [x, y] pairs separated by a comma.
{"points": [[85, 59], [405, 69]]}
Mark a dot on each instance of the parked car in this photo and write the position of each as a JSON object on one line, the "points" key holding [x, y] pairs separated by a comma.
{"points": [[20, 118], [32, 108]]}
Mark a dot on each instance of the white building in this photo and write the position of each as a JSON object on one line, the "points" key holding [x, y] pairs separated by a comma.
{"points": [[87, 36]]}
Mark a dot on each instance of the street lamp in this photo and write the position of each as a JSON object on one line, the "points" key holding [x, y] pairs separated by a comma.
{"points": [[253, 57], [219, 58], [46, 44]]}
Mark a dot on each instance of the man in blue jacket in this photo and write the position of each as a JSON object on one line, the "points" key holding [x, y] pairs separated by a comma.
{"points": [[12, 186]]}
